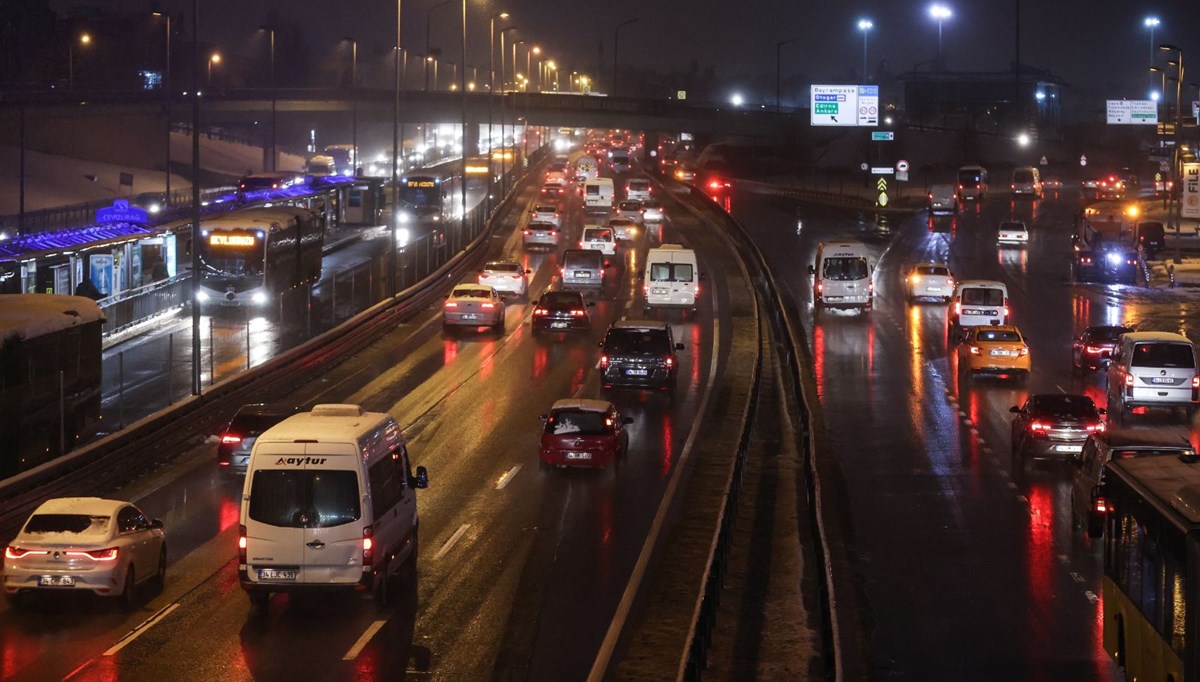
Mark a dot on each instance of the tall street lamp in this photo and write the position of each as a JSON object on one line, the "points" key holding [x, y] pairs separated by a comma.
{"points": [[865, 26], [85, 40], [395, 155], [214, 58], [354, 99], [779, 66], [195, 236], [529, 61], [940, 13], [503, 108], [1151, 23], [492, 84], [1178, 167], [514, 60], [617, 48], [428, 13], [167, 96], [271, 31]]}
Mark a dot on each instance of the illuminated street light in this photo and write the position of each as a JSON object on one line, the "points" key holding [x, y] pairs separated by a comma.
{"points": [[84, 41], [865, 26], [215, 58], [737, 100], [940, 13], [1023, 139]]}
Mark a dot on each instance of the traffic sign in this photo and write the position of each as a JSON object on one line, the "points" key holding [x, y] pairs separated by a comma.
{"points": [[868, 105], [882, 136], [681, 94], [1082, 160], [834, 105], [1044, 161], [1191, 191], [882, 170], [901, 176], [902, 166], [863, 165], [1132, 112], [881, 185], [882, 199]]}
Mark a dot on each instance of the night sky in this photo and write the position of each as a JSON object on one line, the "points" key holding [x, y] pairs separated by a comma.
{"points": [[1092, 44]]}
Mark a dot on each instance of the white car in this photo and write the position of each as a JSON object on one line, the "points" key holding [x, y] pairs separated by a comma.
{"points": [[538, 234], [652, 211], [546, 213], [505, 276], [1013, 232], [107, 547], [473, 305], [929, 280], [637, 189], [624, 229], [632, 210], [597, 238]]}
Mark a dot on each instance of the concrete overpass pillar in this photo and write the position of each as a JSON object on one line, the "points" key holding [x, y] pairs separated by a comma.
{"points": [[471, 138]]}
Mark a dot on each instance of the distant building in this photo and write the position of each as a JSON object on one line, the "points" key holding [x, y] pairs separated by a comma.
{"points": [[989, 102]]}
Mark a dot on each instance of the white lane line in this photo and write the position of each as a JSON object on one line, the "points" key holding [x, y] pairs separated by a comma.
{"points": [[1012, 486], [1063, 558], [453, 539], [609, 644], [974, 431], [1076, 577], [1003, 473], [1060, 388], [962, 414], [145, 625], [579, 390], [1091, 597], [1022, 498], [362, 641], [508, 476]]}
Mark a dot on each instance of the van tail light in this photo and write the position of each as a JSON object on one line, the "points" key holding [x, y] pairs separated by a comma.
{"points": [[241, 544], [1038, 427], [1006, 306], [1100, 505], [1098, 427], [820, 287], [976, 351], [958, 308], [603, 362], [540, 311], [525, 232], [670, 362], [368, 546], [576, 312], [1196, 381], [230, 439], [1129, 380]]}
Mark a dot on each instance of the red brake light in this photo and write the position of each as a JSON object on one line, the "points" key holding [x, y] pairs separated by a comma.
{"points": [[488, 306], [11, 552], [577, 313], [1098, 427], [540, 311], [368, 545], [1038, 426], [109, 554], [230, 439], [525, 232], [958, 308], [1022, 352], [1094, 349], [1128, 379], [241, 544], [603, 361], [451, 305], [670, 362], [820, 287], [1196, 381], [1101, 505]]}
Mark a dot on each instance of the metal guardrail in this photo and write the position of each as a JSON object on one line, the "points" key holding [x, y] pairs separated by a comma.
{"points": [[127, 308]]}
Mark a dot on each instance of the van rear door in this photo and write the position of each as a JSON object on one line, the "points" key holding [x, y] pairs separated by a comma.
{"points": [[333, 540]]}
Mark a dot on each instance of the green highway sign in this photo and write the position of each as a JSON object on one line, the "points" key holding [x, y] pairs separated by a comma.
{"points": [[827, 108], [882, 136]]}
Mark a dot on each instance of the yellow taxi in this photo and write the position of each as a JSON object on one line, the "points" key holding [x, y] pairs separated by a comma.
{"points": [[997, 349]]}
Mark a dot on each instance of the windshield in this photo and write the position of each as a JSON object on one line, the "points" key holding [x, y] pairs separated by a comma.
{"points": [[82, 524], [577, 422], [509, 268], [1018, 227], [670, 272], [598, 234], [544, 208], [1063, 405], [998, 335], [1024, 176], [844, 268], [970, 178], [1160, 354], [982, 297], [637, 185], [561, 299], [932, 270], [636, 342], [304, 499]]}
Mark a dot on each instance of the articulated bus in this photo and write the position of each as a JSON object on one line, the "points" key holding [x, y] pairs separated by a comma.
{"points": [[1152, 566], [251, 257], [50, 373]]}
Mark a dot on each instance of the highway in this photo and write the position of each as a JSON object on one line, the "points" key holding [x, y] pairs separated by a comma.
{"points": [[966, 561], [520, 570]]}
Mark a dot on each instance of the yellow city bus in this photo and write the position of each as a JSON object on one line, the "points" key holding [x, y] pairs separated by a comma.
{"points": [[1152, 567]]}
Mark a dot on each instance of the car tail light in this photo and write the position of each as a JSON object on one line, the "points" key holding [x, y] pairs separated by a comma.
{"points": [[976, 351], [603, 361], [540, 311], [1129, 380], [820, 287], [1196, 381], [109, 554], [488, 306], [368, 546], [670, 362], [577, 313], [451, 305], [1022, 352], [11, 552], [241, 544], [525, 232], [1094, 349], [1098, 427], [1038, 426], [958, 308], [1100, 505], [230, 439]]}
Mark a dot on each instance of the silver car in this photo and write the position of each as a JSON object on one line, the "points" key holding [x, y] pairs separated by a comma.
{"points": [[85, 544], [505, 276], [540, 234], [652, 211], [473, 305], [1152, 369], [546, 213], [632, 210], [624, 229]]}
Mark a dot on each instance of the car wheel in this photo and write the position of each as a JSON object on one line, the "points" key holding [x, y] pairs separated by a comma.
{"points": [[16, 600], [128, 596], [259, 600], [383, 588], [499, 326], [160, 576]]}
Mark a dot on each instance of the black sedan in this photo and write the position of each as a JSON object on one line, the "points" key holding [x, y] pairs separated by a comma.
{"points": [[1094, 347], [1054, 425], [561, 311]]}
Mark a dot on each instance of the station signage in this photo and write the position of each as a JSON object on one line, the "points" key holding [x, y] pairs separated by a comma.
{"points": [[1132, 112], [844, 105], [1191, 191], [230, 239], [122, 212]]}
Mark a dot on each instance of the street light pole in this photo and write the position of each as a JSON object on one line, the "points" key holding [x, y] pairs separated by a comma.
{"points": [[462, 94], [865, 26], [1177, 212], [940, 13], [616, 49], [354, 98], [167, 98], [271, 31], [196, 236], [395, 157], [428, 13], [778, 68]]}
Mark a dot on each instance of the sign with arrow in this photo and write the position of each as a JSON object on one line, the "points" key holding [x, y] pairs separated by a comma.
{"points": [[834, 105], [881, 185]]}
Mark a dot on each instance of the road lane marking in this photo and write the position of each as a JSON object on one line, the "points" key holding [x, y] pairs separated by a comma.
{"points": [[1091, 597], [453, 539], [145, 625], [508, 476], [1012, 486], [962, 414], [1063, 558], [1076, 577], [1022, 497], [362, 641]]}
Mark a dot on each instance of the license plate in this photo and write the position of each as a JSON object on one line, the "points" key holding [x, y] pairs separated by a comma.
{"points": [[933, 288], [276, 574], [57, 581], [578, 455], [659, 291], [1069, 448], [584, 274], [834, 298], [470, 316], [1162, 380], [637, 372], [558, 325], [1001, 353]]}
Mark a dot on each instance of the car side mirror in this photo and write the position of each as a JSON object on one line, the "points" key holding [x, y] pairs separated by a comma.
{"points": [[703, 276], [1101, 411], [422, 478], [679, 346], [156, 524], [600, 345], [1014, 409], [627, 420], [812, 270]]}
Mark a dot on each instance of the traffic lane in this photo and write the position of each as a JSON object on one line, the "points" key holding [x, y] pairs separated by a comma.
{"points": [[937, 528]]}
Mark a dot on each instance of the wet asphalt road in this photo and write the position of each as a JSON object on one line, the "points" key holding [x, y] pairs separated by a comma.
{"points": [[966, 559], [520, 570]]}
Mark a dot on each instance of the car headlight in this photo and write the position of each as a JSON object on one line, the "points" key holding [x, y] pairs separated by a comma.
{"points": [[202, 296], [259, 298], [1114, 258], [154, 208]]}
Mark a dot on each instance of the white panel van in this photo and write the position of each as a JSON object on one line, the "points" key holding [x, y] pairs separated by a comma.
{"points": [[598, 194], [329, 502], [671, 278], [842, 276]]}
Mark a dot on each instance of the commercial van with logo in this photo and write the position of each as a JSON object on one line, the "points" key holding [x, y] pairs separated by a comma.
{"points": [[842, 276], [977, 302], [598, 194], [329, 502], [671, 278], [1152, 369], [1027, 180]]}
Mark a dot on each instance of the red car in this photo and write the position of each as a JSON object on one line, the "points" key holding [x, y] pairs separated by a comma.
{"points": [[584, 433]]}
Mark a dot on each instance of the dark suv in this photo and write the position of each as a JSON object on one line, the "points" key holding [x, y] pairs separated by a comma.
{"points": [[237, 439], [639, 354]]}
